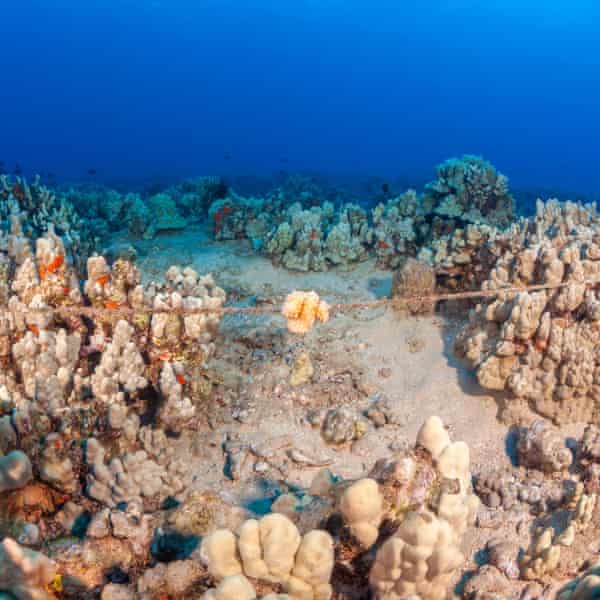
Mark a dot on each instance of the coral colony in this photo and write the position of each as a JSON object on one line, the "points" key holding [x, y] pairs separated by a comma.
{"points": [[128, 405]]}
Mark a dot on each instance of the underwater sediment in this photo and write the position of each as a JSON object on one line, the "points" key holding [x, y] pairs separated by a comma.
{"points": [[218, 401]]}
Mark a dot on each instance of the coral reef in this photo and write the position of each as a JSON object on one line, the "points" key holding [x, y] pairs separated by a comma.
{"points": [[303, 235], [541, 345], [195, 196], [154, 445], [40, 210]]}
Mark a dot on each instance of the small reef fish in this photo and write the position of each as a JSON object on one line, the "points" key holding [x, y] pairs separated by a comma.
{"points": [[55, 264], [92, 172], [111, 304]]}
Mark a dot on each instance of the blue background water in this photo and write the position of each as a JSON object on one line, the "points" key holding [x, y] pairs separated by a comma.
{"points": [[138, 88]]}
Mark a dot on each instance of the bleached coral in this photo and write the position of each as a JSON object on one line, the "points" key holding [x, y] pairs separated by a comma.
{"points": [[41, 209], [302, 309], [361, 506], [46, 362], [186, 336], [272, 551], [424, 552], [177, 409]]}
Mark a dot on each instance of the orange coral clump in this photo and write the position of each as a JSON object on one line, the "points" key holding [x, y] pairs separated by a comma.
{"points": [[383, 245], [103, 279], [34, 329], [302, 309], [180, 379], [66, 290]]}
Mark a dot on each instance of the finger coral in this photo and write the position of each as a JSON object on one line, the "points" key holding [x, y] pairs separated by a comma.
{"points": [[540, 346], [272, 551]]}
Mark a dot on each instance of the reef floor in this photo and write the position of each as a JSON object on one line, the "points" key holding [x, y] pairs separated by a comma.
{"points": [[360, 360]]}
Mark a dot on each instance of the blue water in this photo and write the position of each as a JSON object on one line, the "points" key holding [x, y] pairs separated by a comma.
{"points": [[138, 89]]}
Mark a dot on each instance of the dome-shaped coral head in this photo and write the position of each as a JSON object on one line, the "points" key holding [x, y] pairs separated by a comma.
{"points": [[302, 309]]}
